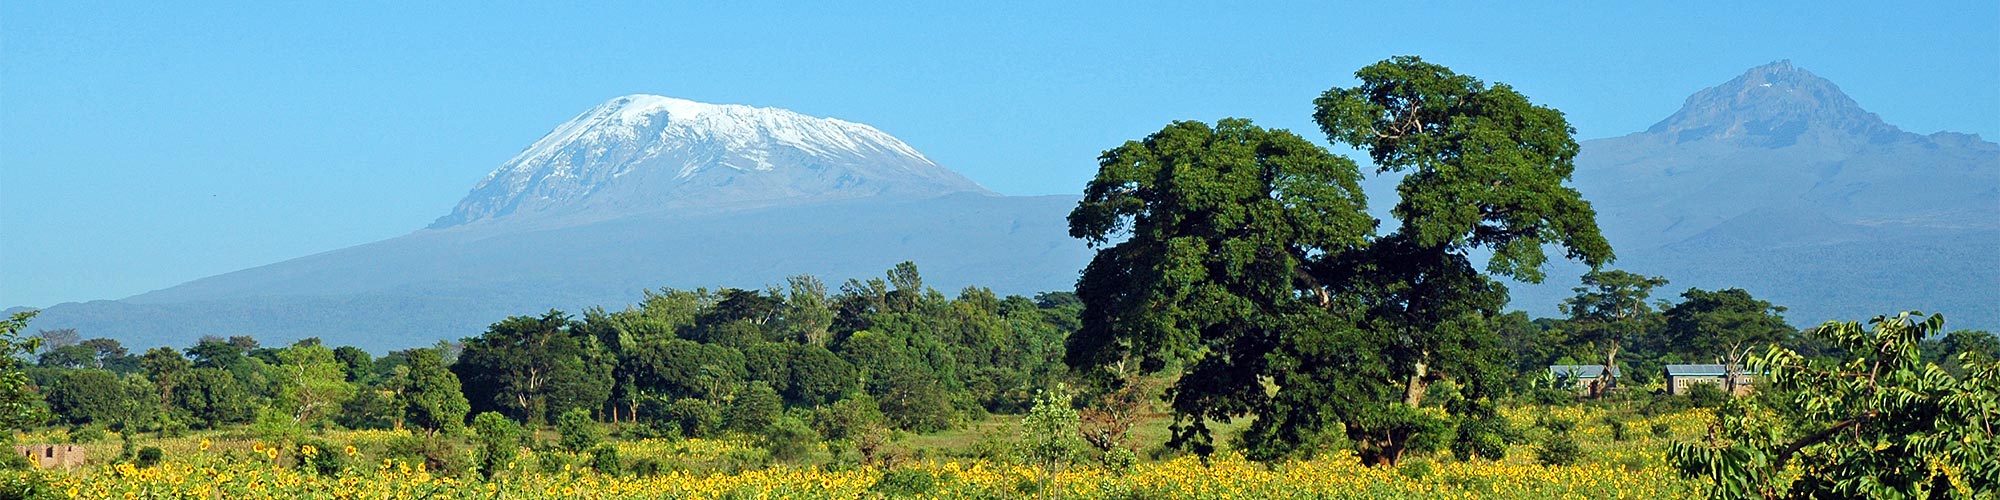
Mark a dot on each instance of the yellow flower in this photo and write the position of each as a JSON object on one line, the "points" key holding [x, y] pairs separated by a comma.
{"points": [[308, 450], [205, 443], [271, 452], [350, 450]]}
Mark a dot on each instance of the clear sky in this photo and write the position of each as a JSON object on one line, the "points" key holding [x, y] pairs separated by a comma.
{"points": [[144, 144]]}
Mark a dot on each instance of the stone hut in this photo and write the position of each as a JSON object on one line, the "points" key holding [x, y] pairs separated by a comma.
{"points": [[66, 456]]}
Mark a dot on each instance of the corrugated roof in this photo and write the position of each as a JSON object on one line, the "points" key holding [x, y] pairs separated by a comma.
{"points": [[1583, 371], [1696, 370]]}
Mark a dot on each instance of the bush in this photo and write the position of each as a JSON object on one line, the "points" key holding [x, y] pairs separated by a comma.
{"points": [[1706, 395], [438, 455], [87, 434], [149, 456], [319, 457], [1558, 449], [604, 458], [694, 417], [1662, 431], [14, 462], [1120, 460], [498, 439], [903, 482], [756, 408], [789, 439], [579, 431], [646, 467], [1617, 427], [551, 462]]}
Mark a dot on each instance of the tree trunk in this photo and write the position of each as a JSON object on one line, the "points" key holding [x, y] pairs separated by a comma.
{"points": [[1413, 394]]}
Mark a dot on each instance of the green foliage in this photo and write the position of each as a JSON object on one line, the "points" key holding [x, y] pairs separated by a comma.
{"points": [[1706, 395], [320, 457], [497, 439], [694, 417], [905, 482], [149, 456], [311, 382], [579, 432], [1219, 226], [81, 396], [213, 397], [534, 368], [430, 396], [1051, 435], [789, 439], [20, 405], [1878, 424], [604, 459], [1610, 309], [1724, 324], [755, 408]]}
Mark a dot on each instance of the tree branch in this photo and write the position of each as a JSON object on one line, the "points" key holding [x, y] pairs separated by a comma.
{"points": [[1817, 437]]}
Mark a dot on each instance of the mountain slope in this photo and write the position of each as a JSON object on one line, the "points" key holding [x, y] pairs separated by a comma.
{"points": [[1778, 183]]}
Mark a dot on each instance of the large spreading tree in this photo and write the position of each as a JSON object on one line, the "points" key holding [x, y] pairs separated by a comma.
{"points": [[1245, 257]]}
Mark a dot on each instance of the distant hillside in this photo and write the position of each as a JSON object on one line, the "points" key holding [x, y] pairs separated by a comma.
{"points": [[1779, 183]]}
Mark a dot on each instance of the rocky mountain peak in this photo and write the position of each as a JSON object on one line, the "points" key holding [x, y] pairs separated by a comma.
{"points": [[1775, 105]]}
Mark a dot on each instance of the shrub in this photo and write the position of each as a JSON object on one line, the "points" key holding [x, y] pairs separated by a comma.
{"points": [[1617, 427], [695, 417], [320, 457], [756, 408], [604, 458], [87, 434], [551, 462], [1663, 431], [149, 456], [1558, 449], [438, 455], [905, 482], [789, 439], [498, 439], [1120, 460], [1706, 395], [579, 432]]}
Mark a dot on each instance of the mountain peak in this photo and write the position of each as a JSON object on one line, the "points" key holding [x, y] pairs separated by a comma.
{"points": [[1775, 105], [646, 153]]}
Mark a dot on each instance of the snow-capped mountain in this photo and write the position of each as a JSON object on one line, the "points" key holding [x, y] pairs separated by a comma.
{"points": [[645, 153]]}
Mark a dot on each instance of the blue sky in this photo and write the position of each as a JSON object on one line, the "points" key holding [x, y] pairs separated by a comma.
{"points": [[144, 144]]}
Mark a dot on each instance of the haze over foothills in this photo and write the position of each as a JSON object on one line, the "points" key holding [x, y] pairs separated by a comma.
{"points": [[149, 147]]}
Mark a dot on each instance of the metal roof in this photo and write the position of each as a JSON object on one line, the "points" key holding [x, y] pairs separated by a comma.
{"points": [[1696, 370], [1582, 371]]}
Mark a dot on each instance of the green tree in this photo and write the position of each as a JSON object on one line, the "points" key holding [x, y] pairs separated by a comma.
{"points": [[806, 313], [214, 398], [579, 432], [1483, 169], [754, 408], [1878, 424], [430, 395], [1724, 324], [1051, 433], [1960, 342], [311, 382], [532, 367], [498, 438], [1610, 309], [20, 405], [1219, 226], [85, 396]]}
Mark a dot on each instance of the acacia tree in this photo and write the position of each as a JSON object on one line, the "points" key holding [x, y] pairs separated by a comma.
{"points": [[1610, 309], [1483, 169], [1879, 424], [1219, 225]]}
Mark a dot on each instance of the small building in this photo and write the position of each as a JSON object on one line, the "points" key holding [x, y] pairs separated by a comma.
{"points": [[1588, 378], [66, 456], [1681, 377]]}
